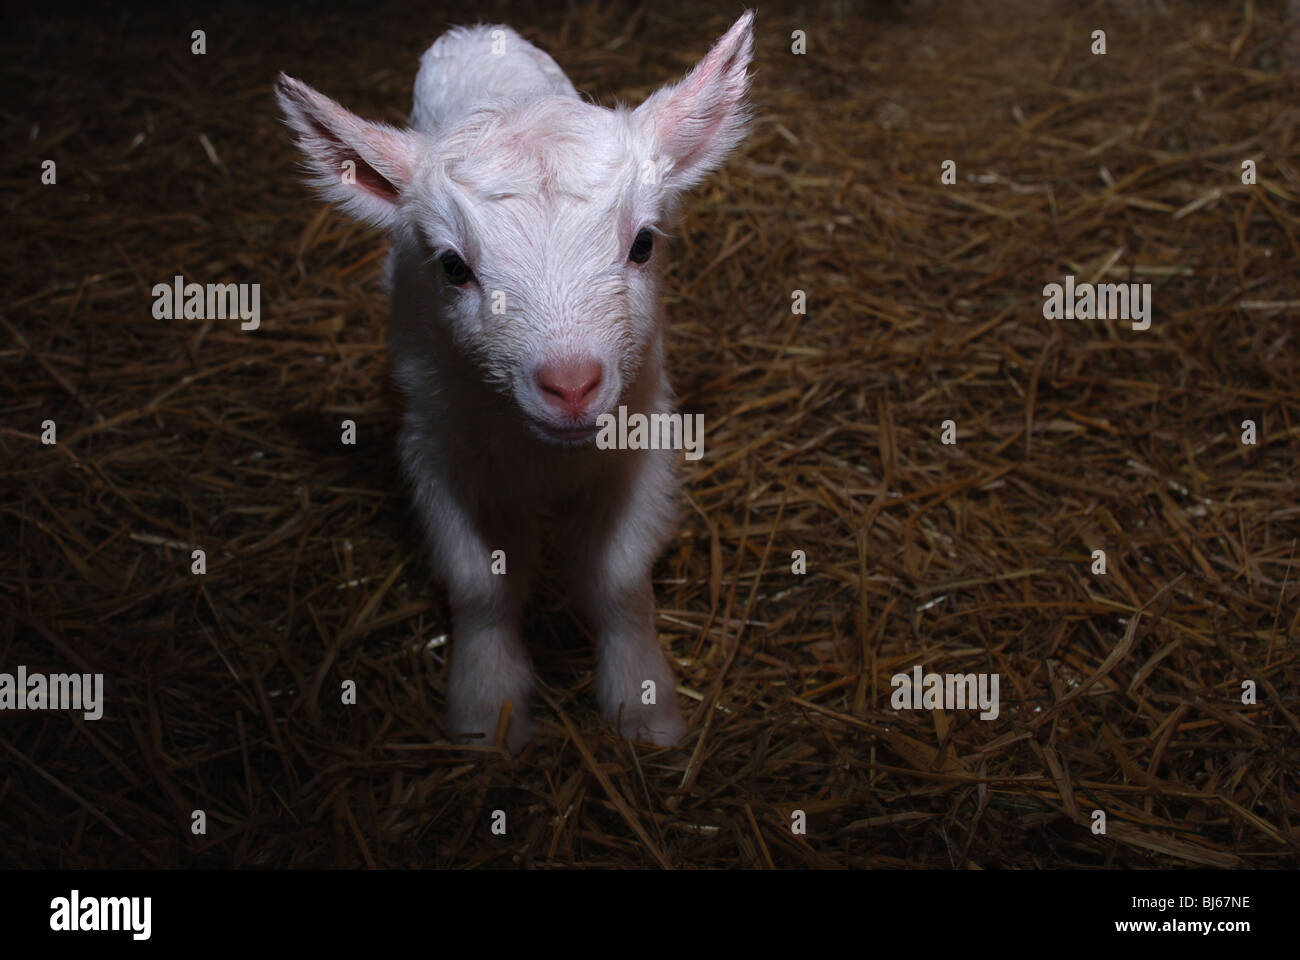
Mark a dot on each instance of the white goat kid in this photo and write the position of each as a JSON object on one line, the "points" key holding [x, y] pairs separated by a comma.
{"points": [[524, 306]]}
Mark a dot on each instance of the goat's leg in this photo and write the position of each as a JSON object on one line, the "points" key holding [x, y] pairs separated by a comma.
{"points": [[609, 557], [489, 661]]}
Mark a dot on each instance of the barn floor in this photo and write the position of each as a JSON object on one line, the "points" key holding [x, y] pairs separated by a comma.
{"points": [[1120, 692]]}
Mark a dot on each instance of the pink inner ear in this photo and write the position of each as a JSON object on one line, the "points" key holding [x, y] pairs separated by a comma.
{"points": [[374, 181], [369, 179], [338, 151], [700, 105], [689, 119]]}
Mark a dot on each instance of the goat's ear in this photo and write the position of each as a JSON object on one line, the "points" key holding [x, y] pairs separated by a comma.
{"points": [[362, 167], [693, 125]]}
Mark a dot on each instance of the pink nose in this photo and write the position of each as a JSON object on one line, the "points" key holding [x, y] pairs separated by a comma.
{"points": [[570, 385]]}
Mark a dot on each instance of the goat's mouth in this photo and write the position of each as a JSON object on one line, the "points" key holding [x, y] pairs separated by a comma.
{"points": [[566, 435]]}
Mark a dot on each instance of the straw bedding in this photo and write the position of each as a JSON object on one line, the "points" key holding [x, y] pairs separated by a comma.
{"points": [[1120, 692]]}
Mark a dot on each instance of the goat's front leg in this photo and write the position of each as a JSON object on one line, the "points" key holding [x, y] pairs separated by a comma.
{"points": [[489, 661], [609, 559]]}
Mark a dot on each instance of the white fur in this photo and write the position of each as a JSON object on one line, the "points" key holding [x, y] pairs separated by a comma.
{"points": [[541, 194]]}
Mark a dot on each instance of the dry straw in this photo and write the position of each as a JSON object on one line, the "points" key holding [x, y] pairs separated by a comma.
{"points": [[1120, 693]]}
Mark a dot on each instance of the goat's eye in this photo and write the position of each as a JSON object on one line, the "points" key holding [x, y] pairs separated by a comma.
{"points": [[457, 271], [641, 247]]}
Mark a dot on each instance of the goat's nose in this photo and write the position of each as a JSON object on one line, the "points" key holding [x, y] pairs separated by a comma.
{"points": [[571, 384]]}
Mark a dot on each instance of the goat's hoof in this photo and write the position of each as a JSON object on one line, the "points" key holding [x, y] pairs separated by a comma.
{"points": [[663, 728]]}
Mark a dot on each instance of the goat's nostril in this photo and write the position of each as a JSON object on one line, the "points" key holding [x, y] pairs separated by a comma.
{"points": [[570, 385], [593, 381]]}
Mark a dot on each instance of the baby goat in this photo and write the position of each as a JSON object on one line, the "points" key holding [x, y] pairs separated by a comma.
{"points": [[524, 306]]}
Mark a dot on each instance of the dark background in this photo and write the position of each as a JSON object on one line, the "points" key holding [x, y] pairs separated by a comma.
{"points": [[925, 304]]}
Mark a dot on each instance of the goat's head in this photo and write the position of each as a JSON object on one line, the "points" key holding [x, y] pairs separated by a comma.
{"points": [[538, 221]]}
